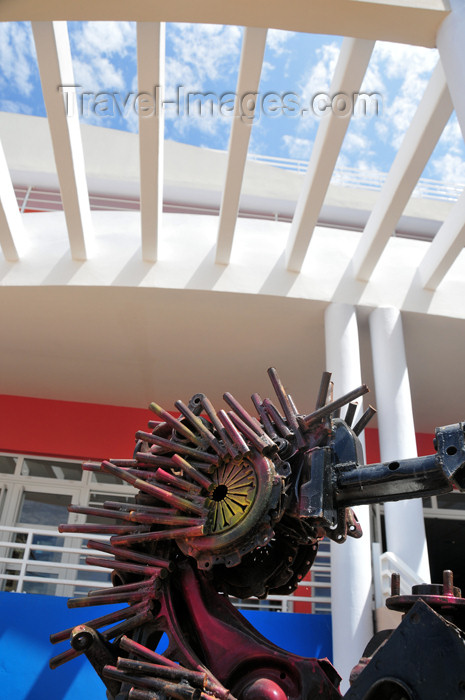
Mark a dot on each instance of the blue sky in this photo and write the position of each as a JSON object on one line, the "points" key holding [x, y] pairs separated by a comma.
{"points": [[205, 58]]}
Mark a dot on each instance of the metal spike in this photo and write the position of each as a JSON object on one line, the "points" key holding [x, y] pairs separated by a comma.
{"points": [[197, 476], [243, 413], [180, 533], [197, 422], [277, 419], [164, 494], [364, 420], [233, 433], [258, 442], [99, 622], [306, 421], [286, 405], [258, 403], [175, 423], [174, 446], [117, 565], [229, 446]]}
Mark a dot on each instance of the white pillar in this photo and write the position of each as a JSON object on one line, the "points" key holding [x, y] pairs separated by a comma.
{"points": [[350, 562], [450, 41], [405, 528]]}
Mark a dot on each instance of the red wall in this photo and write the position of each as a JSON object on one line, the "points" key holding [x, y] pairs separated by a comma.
{"points": [[69, 429], [95, 431]]}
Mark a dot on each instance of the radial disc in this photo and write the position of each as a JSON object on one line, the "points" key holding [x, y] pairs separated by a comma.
{"points": [[240, 498], [233, 494]]}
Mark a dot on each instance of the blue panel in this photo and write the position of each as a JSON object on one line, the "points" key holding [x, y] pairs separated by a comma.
{"points": [[26, 624], [28, 620], [306, 635]]}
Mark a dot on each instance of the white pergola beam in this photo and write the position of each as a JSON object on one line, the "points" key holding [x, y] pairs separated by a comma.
{"points": [[151, 73], [56, 72], [350, 69], [445, 247], [11, 224], [420, 139], [250, 68]]}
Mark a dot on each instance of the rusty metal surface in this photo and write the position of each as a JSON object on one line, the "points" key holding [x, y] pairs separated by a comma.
{"points": [[229, 503], [424, 658]]}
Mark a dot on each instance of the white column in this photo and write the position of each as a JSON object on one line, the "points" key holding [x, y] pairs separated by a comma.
{"points": [[405, 528], [350, 562], [450, 41]]}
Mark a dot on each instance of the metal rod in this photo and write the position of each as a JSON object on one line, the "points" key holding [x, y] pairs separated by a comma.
{"points": [[125, 588], [142, 594], [188, 486], [250, 434], [200, 478], [163, 494], [175, 423], [350, 413], [233, 433], [180, 533], [176, 691], [364, 420], [195, 678], [98, 622], [211, 413], [143, 569], [139, 650], [277, 419], [174, 446], [306, 421], [323, 390], [130, 624], [200, 427], [139, 694], [62, 658], [134, 647], [243, 413], [157, 460], [267, 424], [285, 404], [100, 529]]}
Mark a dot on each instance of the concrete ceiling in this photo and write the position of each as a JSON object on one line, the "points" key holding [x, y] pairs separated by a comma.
{"points": [[126, 346]]}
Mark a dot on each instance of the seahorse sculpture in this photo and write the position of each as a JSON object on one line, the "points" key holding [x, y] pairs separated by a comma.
{"points": [[230, 504]]}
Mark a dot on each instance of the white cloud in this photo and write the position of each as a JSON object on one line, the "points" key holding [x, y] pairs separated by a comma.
{"points": [[355, 142], [104, 38], [209, 51], [200, 58], [449, 167], [406, 71], [276, 40], [97, 48], [297, 147], [17, 57], [319, 79]]}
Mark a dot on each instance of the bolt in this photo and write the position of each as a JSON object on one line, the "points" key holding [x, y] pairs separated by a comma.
{"points": [[395, 584], [448, 582]]}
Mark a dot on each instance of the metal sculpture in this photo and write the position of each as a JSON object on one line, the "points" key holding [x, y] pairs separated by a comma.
{"points": [[229, 504]]}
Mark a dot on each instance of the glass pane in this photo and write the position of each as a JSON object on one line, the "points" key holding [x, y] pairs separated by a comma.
{"points": [[40, 588], [52, 469], [427, 502], [7, 464], [452, 501], [102, 478], [44, 508], [38, 554]]}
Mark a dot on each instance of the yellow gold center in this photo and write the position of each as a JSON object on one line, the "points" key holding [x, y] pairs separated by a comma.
{"points": [[234, 490]]}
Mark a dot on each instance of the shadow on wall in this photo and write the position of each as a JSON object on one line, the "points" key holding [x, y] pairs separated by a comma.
{"points": [[25, 650]]}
